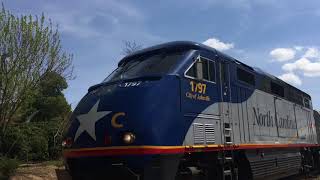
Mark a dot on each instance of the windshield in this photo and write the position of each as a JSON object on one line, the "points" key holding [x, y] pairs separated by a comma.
{"points": [[156, 63]]}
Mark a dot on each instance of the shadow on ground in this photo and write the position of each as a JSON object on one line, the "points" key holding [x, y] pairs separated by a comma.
{"points": [[62, 174]]}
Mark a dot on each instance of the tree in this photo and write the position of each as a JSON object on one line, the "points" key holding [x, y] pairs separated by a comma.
{"points": [[30, 49], [47, 102], [130, 47]]}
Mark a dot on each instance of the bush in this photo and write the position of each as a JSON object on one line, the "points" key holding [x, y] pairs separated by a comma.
{"points": [[7, 167], [38, 148], [31, 142], [54, 143], [25, 142], [14, 142]]}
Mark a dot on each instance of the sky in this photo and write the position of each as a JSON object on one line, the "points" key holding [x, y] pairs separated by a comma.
{"points": [[280, 37]]}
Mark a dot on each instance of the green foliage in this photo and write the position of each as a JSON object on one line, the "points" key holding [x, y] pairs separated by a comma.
{"points": [[30, 53], [7, 167], [54, 140], [48, 101], [25, 142], [33, 73], [53, 84], [35, 141]]}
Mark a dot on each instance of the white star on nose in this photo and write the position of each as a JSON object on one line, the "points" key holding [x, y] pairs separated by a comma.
{"points": [[88, 121]]}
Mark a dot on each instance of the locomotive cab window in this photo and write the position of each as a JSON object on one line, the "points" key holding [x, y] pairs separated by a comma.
{"points": [[298, 98], [156, 63], [202, 69], [245, 76], [277, 89], [307, 103]]}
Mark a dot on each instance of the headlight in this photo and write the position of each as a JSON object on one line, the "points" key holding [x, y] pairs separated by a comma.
{"points": [[128, 138], [67, 143]]}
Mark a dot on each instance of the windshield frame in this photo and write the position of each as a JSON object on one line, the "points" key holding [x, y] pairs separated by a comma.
{"points": [[181, 53]]}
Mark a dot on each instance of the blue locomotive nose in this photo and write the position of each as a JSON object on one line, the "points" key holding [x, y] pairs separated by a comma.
{"points": [[130, 105], [132, 117], [102, 116], [124, 113]]}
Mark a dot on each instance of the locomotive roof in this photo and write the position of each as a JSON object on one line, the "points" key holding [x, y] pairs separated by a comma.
{"points": [[199, 46], [169, 45]]}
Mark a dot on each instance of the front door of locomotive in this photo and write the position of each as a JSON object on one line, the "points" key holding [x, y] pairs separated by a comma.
{"points": [[201, 101]]}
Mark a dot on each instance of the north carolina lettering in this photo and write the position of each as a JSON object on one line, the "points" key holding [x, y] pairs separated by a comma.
{"points": [[286, 123], [261, 119], [267, 120]]}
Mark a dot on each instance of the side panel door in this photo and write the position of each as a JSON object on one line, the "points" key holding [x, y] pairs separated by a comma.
{"points": [[305, 124], [263, 112], [242, 103], [302, 123], [286, 121]]}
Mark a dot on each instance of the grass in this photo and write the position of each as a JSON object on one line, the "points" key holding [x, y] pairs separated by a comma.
{"points": [[58, 163]]}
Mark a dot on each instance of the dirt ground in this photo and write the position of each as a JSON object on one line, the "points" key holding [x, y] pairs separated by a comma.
{"points": [[53, 172], [41, 172]]}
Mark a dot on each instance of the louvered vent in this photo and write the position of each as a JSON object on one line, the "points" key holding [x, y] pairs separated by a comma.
{"points": [[198, 133], [209, 132]]}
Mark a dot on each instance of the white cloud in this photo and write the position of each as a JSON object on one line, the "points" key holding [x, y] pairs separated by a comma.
{"points": [[283, 54], [312, 53], [310, 69], [298, 48], [300, 63], [217, 44], [97, 18], [291, 78]]}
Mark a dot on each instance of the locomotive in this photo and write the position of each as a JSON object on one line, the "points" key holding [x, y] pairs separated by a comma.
{"points": [[184, 110]]}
